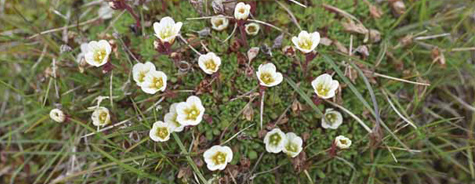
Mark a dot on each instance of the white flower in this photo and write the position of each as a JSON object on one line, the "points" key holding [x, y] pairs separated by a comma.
{"points": [[154, 81], [171, 119], [166, 30], [306, 42], [190, 112], [252, 28], [334, 119], [342, 142], [219, 22], [98, 53], [101, 116], [105, 11], [160, 131], [57, 115], [274, 140], [217, 157], [325, 86], [140, 70], [292, 144], [81, 55], [209, 63], [268, 76], [242, 10]]}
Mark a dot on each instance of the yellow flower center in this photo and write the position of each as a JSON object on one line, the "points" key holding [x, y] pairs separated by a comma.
{"points": [[275, 139], [218, 22], [251, 29], [162, 132], [166, 32], [241, 10], [219, 158], [192, 113], [322, 90], [331, 118], [210, 65], [343, 141], [305, 43], [291, 147], [266, 78], [157, 83], [99, 55], [142, 76], [103, 117]]}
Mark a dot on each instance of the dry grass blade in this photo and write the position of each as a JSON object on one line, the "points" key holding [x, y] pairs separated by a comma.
{"points": [[397, 112], [352, 115]]}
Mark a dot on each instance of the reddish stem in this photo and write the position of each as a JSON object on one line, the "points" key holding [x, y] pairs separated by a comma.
{"points": [[243, 32], [131, 11]]}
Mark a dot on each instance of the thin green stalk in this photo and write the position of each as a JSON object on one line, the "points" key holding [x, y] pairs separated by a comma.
{"points": [[188, 158]]}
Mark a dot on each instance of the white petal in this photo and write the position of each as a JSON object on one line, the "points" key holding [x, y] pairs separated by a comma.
{"points": [[315, 39]]}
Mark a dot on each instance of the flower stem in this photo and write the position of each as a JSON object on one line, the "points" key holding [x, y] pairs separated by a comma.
{"points": [[262, 91], [188, 158], [243, 32]]}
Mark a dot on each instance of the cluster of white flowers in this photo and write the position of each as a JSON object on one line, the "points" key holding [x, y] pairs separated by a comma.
{"points": [[191, 111], [188, 113], [276, 141], [241, 13], [150, 80]]}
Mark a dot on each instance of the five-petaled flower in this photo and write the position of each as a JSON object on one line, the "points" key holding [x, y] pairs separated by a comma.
{"points": [[209, 63], [268, 76], [160, 131], [252, 28], [101, 117], [57, 115], [190, 112], [325, 86], [217, 157], [274, 140], [342, 142], [98, 53], [242, 10], [306, 42], [171, 119], [140, 71], [292, 144], [154, 81], [332, 120], [166, 30], [219, 22]]}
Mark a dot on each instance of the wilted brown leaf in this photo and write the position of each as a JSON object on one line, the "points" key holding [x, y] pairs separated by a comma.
{"points": [[288, 51], [340, 47], [363, 51], [252, 53], [398, 7], [438, 56], [354, 27], [248, 112], [326, 41]]}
